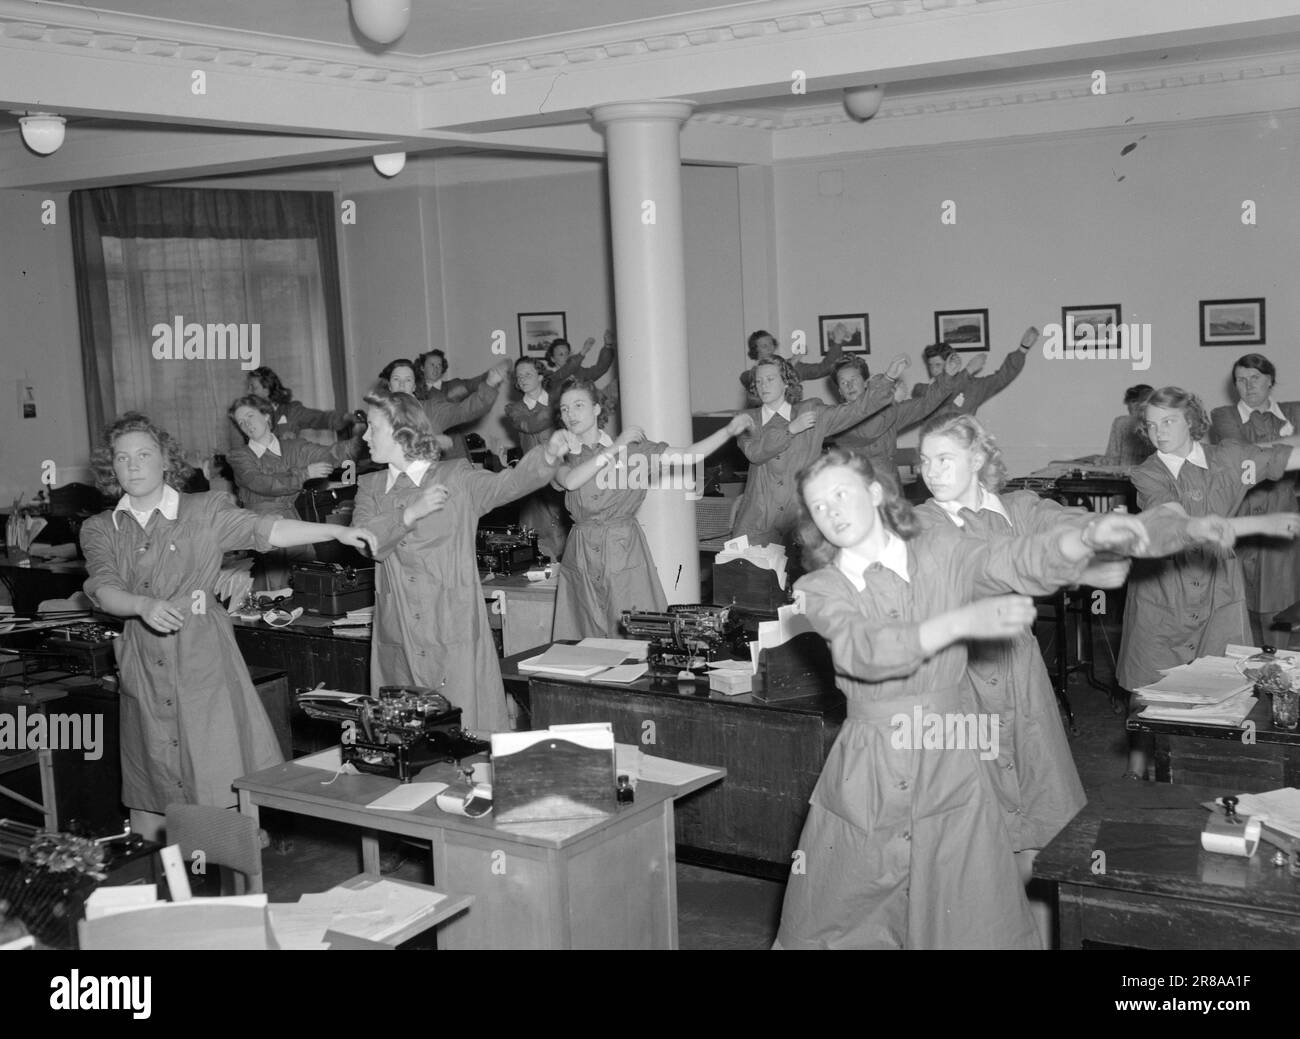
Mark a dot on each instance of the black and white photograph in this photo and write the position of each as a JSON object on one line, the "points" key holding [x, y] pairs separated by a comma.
{"points": [[1232, 322], [543, 476], [850, 332], [963, 330], [538, 332]]}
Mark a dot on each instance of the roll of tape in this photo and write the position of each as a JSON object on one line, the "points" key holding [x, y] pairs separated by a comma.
{"points": [[1242, 843]]}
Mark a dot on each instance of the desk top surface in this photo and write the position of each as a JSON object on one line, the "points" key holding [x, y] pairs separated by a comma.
{"points": [[1261, 716], [24, 562], [281, 786], [1173, 816], [829, 703]]}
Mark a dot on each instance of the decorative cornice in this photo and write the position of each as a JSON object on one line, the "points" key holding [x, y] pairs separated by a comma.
{"points": [[63, 25], [1052, 90]]}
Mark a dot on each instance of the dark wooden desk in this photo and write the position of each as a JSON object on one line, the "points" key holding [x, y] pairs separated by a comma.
{"points": [[1232, 760], [773, 754], [31, 581], [1214, 902]]}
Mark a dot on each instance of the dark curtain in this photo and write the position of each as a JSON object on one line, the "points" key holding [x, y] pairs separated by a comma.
{"points": [[149, 212]]}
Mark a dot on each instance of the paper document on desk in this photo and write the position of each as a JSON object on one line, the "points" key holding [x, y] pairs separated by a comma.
{"points": [[789, 623], [408, 797], [377, 911], [765, 557], [632, 649], [1230, 713], [671, 773], [572, 661], [624, 674], [1208, 680]]}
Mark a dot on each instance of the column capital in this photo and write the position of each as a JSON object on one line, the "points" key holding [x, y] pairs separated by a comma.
{"points": [[641, 111]]}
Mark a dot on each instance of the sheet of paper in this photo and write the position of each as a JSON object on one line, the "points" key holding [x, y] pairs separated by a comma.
{"points": [[408, 796], [627, 761], [1279, 808], [623, 674], [300, 927], [104, 901], [671, 773], [377, 911], [330, 759], [632, 649]]}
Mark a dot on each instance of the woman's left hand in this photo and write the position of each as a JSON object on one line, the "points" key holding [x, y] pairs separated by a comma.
{"points": [[802, 421], [357, 537]]}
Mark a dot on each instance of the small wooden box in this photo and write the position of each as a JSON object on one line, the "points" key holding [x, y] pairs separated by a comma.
{"points": [[800, 667], [554, 778], [741, 583]]}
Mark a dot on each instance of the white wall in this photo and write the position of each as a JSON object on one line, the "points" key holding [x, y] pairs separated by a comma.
{"points": [[1047, 223]]}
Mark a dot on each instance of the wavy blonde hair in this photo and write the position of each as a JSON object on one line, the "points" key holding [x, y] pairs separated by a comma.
{"points": [[970, 433]]}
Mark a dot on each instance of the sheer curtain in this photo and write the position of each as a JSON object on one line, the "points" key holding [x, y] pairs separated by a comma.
{"points": [[261, 265]]}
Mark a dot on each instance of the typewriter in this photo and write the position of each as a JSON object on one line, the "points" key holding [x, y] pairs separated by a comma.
{"points": [[506, 550], [687, 637], [78, 649], [398, 732]]}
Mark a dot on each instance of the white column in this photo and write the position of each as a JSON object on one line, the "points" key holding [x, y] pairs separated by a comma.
{"points": [[645, 215]]}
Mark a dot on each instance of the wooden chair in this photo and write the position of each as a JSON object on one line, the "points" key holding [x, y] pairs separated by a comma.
{"points": [[224, 838]]}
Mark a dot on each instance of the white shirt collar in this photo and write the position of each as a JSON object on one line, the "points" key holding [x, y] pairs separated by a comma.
{"points": [[437, 385], [893, 557], [783, 411], [415, 471], [1174, 463], [1244, 410], [261, 449], [543, 399], [987, 502], [603, 439], [169, 506]]}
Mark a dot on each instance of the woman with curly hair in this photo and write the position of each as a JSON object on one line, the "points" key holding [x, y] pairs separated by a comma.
{"points": [[607, 566], [191, 720], [399, 376], [431, 628], [1193, 604], [905, 845], [288, 415], [762, 348], [786, 433]]}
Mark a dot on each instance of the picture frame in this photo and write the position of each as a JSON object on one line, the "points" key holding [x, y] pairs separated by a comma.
{"points": [[964, 330], [1082, 324], [539, 329], [853, 330], [1232, 322]]}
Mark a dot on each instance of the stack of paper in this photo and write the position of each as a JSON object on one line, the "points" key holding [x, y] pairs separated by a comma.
{"points": [[765, 557], [632, 649], [1230, 713], [1280, 809], [573, 661], [1207, 680], [365, 615], [376, 912]]}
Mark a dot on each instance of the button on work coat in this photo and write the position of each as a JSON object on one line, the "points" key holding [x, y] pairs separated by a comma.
{"points": [[906, 846], [431, 624], [1194, 603], [1037, 784], [607, 566], [769, 508], [191, 720], [1271, 566]]}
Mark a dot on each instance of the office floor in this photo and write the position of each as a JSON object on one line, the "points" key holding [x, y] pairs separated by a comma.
{"points": [[715, 910]]}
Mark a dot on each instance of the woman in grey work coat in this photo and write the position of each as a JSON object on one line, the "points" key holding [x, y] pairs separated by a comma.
{"points": [[779, 445], [191, 721], [431, 625], [1194, 603]]}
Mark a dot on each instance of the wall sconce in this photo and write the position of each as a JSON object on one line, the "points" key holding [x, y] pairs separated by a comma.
{"points": [[42, 132], [390, 163], [863, 102], [382, 20]]}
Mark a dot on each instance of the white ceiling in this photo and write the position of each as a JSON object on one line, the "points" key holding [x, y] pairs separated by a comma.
{"points": [[435, 26]]}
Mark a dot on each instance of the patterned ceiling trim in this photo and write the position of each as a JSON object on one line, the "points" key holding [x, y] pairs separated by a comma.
{"points": [[308, 58]]}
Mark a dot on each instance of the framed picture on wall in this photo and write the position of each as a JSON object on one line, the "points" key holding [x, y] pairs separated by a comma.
{"points": [[1091, 326], [962, 329], [1232, 322], [538, 331], [851, 331]]}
